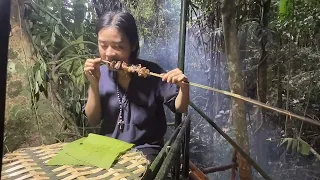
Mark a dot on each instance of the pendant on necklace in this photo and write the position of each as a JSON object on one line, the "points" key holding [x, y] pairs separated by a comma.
{"points": [[121, 124]]}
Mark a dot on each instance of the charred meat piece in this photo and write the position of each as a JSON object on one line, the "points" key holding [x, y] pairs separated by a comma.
{"points": [[134, 68], [144, 72], [117, 66], [141, 71], [111, 65], [124, 66]]}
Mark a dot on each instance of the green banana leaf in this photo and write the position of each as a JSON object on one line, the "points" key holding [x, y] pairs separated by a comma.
{"points": [[95, 150]]}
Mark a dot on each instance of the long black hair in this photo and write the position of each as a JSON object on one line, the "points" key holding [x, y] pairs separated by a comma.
{"points": [[126, 24]]}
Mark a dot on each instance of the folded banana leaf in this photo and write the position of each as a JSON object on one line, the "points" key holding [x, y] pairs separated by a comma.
{"points": [[94, 150]]}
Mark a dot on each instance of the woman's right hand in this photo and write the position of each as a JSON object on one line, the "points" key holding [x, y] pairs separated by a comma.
{"points": [[92, 71]]}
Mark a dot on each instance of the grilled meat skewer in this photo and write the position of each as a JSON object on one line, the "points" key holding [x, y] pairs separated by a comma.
{"points": [[120, 65]]}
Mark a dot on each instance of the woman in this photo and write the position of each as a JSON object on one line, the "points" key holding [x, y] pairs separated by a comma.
{"points": [[130, 107]]}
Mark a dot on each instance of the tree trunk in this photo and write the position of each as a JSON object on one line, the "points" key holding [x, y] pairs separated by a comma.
{"points": [[25, 125], [236, 84], [217, 57], [262, 87], [280, 72]]}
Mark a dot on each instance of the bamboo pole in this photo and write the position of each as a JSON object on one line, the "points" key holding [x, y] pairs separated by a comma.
{"points": [[157, 162], [252, 101], [163, 171]]}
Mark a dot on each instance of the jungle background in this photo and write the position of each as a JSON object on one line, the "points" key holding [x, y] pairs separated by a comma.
{"points": [[277, 62]]}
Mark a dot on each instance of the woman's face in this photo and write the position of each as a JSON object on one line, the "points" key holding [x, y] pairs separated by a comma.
{"points": [[113, 45]]}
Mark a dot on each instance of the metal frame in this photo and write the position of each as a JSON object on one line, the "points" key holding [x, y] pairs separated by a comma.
{"points": [[178, 116], [171, 155], [233, 143]]}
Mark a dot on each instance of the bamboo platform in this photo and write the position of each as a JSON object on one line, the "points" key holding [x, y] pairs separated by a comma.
{"points": [[29, 163]]}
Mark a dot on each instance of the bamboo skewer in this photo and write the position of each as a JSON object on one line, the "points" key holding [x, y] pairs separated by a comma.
{"points": [[252, 101]]}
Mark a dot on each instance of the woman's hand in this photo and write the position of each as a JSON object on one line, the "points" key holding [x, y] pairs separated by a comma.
{"points": [[92, 71], [175, 76]]}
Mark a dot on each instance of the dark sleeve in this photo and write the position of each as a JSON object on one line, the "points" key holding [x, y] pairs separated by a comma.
{"points": [[167, 93]]}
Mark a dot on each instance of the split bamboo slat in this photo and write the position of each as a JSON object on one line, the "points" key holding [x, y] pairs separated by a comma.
{"points": [[30, 163]]}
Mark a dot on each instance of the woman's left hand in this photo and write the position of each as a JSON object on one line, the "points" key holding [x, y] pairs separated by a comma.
{"points": [[175, 76]]}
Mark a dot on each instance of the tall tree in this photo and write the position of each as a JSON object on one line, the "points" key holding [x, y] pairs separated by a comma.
{"points": [[262, 87], [236, 83]]}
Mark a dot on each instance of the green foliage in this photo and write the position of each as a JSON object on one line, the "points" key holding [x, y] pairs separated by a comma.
{"points": [[286, 8], [295, 39], [299, 21], [296, 145], [63, 39]]}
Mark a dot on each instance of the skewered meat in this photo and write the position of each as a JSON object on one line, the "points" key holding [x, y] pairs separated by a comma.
{"points": [[143, 72], [111, 65], [117, 66], [120, 65]]}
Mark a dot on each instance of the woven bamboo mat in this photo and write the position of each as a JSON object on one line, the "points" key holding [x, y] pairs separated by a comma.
{"points": [[29, 163]]}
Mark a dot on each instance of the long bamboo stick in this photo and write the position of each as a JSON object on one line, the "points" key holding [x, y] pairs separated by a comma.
{"points": [[252, 101]]}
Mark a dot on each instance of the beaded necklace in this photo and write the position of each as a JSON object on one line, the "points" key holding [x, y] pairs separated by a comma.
{"points": [[121, 101]]}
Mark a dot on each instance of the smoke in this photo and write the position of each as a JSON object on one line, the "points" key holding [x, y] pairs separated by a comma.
{"points": [[207, 147], [162, 46]]}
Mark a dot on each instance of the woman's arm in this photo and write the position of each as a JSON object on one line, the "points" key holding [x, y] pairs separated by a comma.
{"points": [[93, 106], [177, 77], [182, 100]]}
